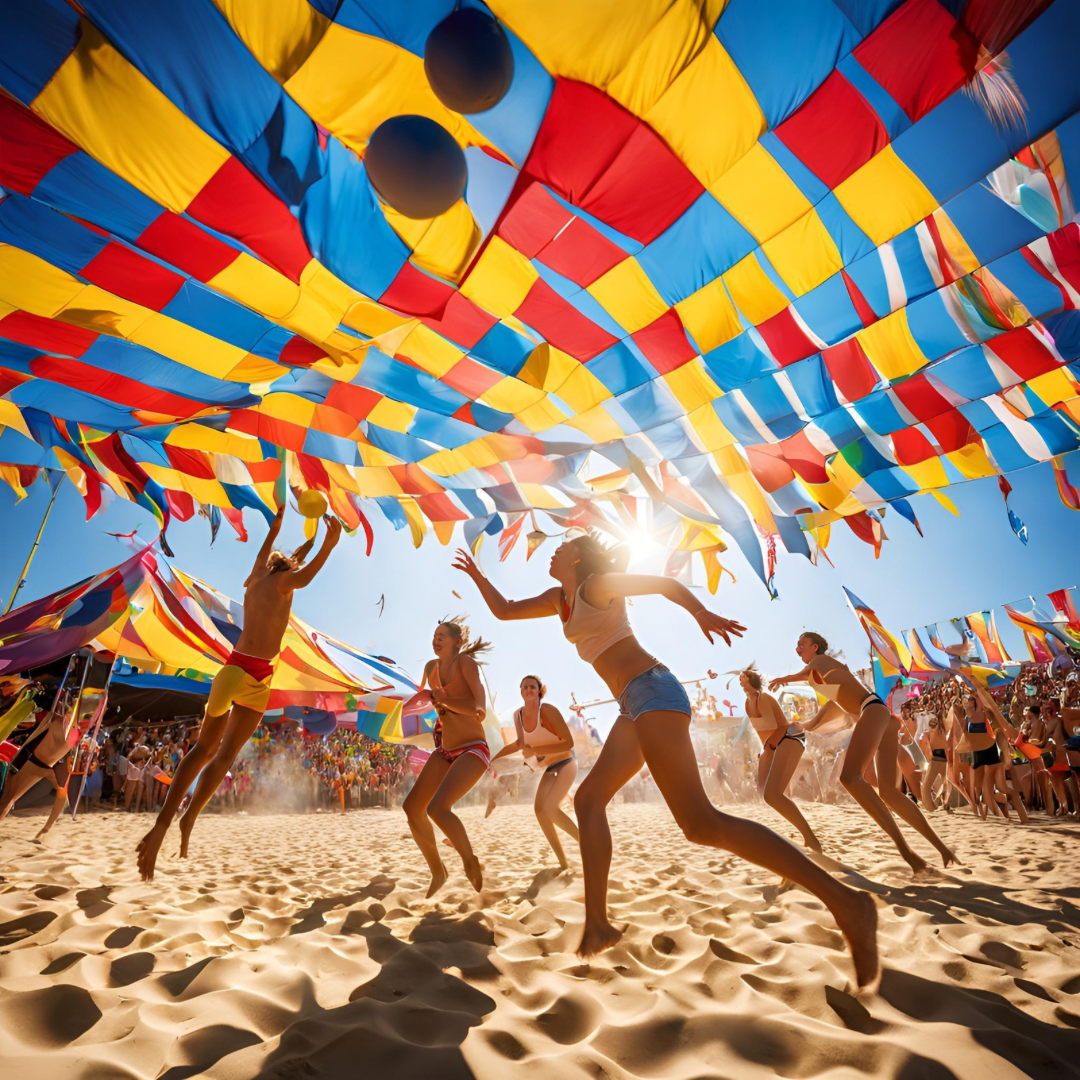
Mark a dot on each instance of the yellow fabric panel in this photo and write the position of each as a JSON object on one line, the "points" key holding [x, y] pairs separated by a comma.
{"points": [[188, 346], [481, 453], [1054, 387], [417, 523], [442, 245], [430, 351], [928, 474], [500, 280], [257, 370], [342, 476], [444, 533], [257, 286], [628, 296], [884, 197], [29, 283], [889, 346], [201, 437], [710, 316], [582, 390], [758, 193], [289, 407], [106, 313], [395, 415], [511, 395], [972, 462], [374, 482], [710, 429], [446, 463], [541, 416], [542, 498], [201, 489], [324, 299], [709, 116], [803, 254], [752, 291], [692, 385], [280, 35], [12, 418], [597, 423], [352, 82], [110, 109], [368, 317], [954, 243], [736, 471], [373, 457], [547, 368]]}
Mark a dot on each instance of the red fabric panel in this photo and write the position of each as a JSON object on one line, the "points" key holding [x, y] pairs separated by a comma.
{"points": [[128, 393], [333, 421], [235, 203], [46, 334], [282, 432], [314, 472], [949, 267], [581, 253], [439, 305], [471, 379], [440, 507], [851, 371], [533, 220], [602, 158], [920, 398], [834, 131], [911, 446], [952, 430], [128, 274], [265, 471], [181, 505], [862, 307], [1065, 247], [187, 247], [356, 401], [769, 466], [10, 379], [805, 458], [190, 462], [463, 322], [786, 339], [562, 324], [664, 342], [1024, 352], [299, 352], [29, 148], [920, 54]]}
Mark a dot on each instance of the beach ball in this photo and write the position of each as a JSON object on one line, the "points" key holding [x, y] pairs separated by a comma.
{"points": [[468, 61], [312, 503], [415, 166]]}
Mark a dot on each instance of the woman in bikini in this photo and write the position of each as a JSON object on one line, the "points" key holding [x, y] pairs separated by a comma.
{"points": [[548, 747], [874, 739], [934, 743], [461, 754], [653, 728], [782, 747], [905, 751], [988, 771]]}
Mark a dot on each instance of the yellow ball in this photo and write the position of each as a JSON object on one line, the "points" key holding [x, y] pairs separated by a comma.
{"points": [[312, 504]]}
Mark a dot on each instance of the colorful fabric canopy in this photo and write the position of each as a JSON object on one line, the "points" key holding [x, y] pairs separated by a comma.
{"points": [[762, 267], [165, 622]]}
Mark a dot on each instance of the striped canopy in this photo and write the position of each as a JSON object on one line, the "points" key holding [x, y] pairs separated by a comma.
{"points": [[722, 269]]}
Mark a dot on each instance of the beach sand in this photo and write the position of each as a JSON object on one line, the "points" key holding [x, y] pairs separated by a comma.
{"points": [[299, 947]]}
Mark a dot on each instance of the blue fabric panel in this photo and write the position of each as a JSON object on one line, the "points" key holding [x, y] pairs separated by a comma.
{"points": [[1068, 134], [879, 413], [1065, 329], [736, 421], [332, 447], [407, 25], [16, 357], [968, 373], [275, 339], [671, 440], [287, 156], [813, 385], [81, 186], [932, 327], [814, 189], [408, 384], [771, 404], [850, 240], [696, 249], [863, 457], [243, 496], [1004, 449], [990, 226], [397, 443], [828, 310], [839, 426], [214, 314], [38, 36], [649, 405], [792, 535], [442, 430], [892, 483], [918, 281], [27, 224], [736, 362], [1044, 65], [619, 369], [503, 349], [785, 49], [867, 14], [1058, 436], [67, 404], [880, 100], [311, 385], [346, 228], [869, 275], [1037, 294], [772, 275], [489, 419]]}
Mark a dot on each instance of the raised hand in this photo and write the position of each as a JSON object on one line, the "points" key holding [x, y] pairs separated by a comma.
{"points": [[711, 623], [775, 684], [467, 564]]}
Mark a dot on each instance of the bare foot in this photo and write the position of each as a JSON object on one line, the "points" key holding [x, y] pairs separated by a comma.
{"points": [[916, 862], [813, 844], [595, 939], [858, 923], [147, 851], [948, 858], [490, 807], [474, 872], [437, 882], [185, 834]]}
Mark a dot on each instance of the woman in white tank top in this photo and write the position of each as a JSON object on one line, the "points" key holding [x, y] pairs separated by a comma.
{"points": [[653, 729], [548, 747]]}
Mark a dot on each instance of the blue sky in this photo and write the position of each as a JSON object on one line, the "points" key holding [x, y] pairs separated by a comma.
{"points": [[962, 565]]}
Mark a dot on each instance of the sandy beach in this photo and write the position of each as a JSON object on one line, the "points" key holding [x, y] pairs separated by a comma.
{"points": [[302, 947]]}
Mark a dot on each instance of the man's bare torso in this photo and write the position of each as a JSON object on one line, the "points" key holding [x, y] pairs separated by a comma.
{"points": [[267, 604]]}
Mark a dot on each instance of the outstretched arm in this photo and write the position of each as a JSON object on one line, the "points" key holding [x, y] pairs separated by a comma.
{"points": [[267, 544], [829, 711], [603, 588], [535, 607], [996, 716], [299, 578], [507, 750], [796, 676]]}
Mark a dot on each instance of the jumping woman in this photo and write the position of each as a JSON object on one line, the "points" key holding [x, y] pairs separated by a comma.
{"points": [[653, 728], [548, 747], [874, 739], [461, 754], [782, 747]]}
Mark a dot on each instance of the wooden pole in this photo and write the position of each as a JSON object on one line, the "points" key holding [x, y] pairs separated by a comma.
{"points": [[37, 540]]}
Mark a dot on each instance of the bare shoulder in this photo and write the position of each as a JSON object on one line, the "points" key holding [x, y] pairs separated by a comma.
{"points": [[468, 664], [550, 712]]}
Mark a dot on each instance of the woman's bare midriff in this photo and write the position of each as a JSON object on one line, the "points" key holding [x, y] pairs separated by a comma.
{"points": [[619, 665]]}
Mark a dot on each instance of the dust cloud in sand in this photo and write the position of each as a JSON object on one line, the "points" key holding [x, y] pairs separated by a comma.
{"points": [[302, 947]]}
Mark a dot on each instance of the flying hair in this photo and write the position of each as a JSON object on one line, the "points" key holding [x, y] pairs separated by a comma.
{"points": [[598, 557], [458, 629], [753, 676]]}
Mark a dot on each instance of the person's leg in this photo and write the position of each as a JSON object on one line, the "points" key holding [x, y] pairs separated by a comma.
{"points": [[239, 727], [619, 760], [192, 763], [560, 794], [416, 811], [867, 736], [784, 762], [59, 802], [764, 766], [19, 784], [550, 793], [907, 770], [460, 778], [665, 742], [933, 771], [1003, 777], [898, 803], [129, 790]]}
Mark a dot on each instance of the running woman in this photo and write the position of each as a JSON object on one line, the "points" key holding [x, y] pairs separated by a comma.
{"points": [[548, 747], [653, 729]]}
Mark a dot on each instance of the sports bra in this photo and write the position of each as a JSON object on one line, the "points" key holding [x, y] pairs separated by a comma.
{"points": [[756, 722], [594, 630]]}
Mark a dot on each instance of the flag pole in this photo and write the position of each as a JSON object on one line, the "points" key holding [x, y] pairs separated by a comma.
{"points": [[33, 550]]}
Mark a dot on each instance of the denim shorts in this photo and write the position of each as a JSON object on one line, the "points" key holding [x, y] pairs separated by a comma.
{"points": [[655, 690]]}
